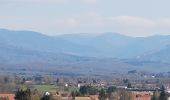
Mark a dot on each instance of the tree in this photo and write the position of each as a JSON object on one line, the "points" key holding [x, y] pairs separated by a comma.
{"points": [[35, 95], [88, 90], [163, 95], [6, 79], [129, 85], [125, 95], [83, 90], [102, 95], [156, 95], [73, 94], [110, 91], [47, 97], [23, 80], [23, 94], [92, 90], [125, 81]]}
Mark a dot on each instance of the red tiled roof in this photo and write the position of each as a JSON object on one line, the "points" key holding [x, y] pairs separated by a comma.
{"points": [[10, 96]]}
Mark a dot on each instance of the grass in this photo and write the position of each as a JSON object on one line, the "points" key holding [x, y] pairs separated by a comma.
{"points": [[53, 88], [73, 89], [44, 88]]}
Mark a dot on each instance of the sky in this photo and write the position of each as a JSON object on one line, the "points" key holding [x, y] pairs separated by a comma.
{"points": [[54, 17]]}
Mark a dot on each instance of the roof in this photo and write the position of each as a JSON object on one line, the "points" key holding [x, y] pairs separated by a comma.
{"points": [[10, 96], [83, 98]]}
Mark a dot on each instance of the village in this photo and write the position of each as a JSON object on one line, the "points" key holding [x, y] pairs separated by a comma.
{"points": [[83, 88]]}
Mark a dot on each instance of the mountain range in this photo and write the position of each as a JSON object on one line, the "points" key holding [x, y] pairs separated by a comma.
{"points": [[105, 50]]}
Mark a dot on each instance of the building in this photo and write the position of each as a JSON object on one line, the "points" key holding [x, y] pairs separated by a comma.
{"points": [[142, 96], [9, 96]]}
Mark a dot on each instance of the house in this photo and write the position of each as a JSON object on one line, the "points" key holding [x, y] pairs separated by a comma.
{"points": [[28, 82], [91, 97], [82, 98], [9, 96], [142, 96], [94, 97]]}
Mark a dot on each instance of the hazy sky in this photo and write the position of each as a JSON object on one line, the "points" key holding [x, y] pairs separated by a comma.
{"points": [[130, 17]]}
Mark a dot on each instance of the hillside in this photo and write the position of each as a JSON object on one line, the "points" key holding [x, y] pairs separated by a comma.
{"points": [[83, 53], [161, 55], [119, 46]]}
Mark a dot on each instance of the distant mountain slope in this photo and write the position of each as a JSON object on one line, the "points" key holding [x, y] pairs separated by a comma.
{"points": [[17, 55], [84, 53], [117, 45], [39, 42], [105, 45], [19, 58], [161, 55]]}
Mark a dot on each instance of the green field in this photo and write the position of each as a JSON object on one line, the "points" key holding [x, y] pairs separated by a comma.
{"points": [[53, 88], [44, 88]]}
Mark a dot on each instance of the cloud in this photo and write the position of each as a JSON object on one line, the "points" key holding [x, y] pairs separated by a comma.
{"points": [[128, 25], [34, 1], [89, 1], [91, 23], [132, 21], [48, 1]]}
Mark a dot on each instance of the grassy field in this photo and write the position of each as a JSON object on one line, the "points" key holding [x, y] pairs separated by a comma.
{"points": [[53, 88], [70, 89], [44, 88]]}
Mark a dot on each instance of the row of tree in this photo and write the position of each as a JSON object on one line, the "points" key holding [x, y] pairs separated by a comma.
{"points": [[111, 93], [160, 95], [115, 94], [26, 94]]}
